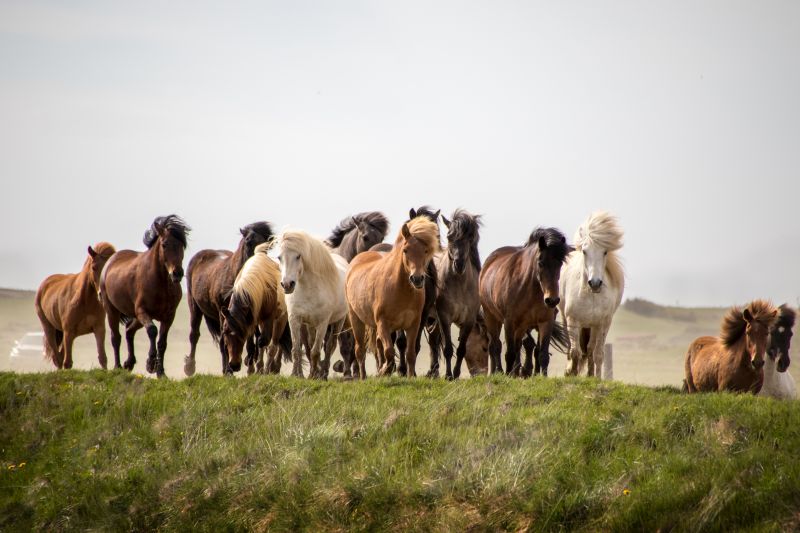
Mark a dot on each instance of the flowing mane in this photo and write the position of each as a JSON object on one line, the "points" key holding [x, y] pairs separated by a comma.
{"points": [[262, 228], [423, 229], [103, 249], [786, 317], [316, 255], [734, 324], [554, 240], [171, 223], [257, 281], [602, 229], [376, 219], [466, 226]]}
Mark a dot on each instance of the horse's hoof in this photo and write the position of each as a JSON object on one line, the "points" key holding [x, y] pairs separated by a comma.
{"points": [[432, 373], [150, 365], [129, 364], [189, 366], [103, 363], [449, 377], [338, 366]]}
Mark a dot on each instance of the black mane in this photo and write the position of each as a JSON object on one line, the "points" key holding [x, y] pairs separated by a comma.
{"points": [[174, 224], [376, 219], [262, 228], [786, 317], [554, 240], [467, 226]]}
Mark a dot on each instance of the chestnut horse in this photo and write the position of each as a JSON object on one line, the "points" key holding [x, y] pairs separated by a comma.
{"points": [[735, 360], [385, 293], [68, 306], [140, 287], [209, 279], [256, 300], [518, 288]]}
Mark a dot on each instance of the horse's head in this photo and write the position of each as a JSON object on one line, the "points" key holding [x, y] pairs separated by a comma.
{"points": [[291, 263], [418, 241], [98, 257], [552, 251], [757, 329], [596, 237], [780, 338], [234, 336], [170, 235], [462, 240], [594, 265], [368, 234], [255, 234]]}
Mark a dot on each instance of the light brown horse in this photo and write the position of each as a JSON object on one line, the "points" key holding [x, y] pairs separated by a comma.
{"points": [[68, 306], [385, 293], [735, 360], [518, 287], [140, 287]]}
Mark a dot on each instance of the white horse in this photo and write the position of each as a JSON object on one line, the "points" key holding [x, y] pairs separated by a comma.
{"points": [[313, 279], [591, 286], [778, 383]]}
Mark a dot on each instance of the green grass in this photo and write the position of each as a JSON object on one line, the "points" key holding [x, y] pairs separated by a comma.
{"points": [[111, 451]]}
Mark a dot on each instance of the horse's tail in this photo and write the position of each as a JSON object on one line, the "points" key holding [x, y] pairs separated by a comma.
{"points": [[371, 338], [688, 382], [559, 338], [52, 336]]}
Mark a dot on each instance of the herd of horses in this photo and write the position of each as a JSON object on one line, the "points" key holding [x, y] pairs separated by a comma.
{"points": [[292, 297]]}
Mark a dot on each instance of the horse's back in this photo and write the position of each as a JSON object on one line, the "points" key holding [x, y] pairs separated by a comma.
{"points": [[700, 364], [52, 291], [203, 279]]}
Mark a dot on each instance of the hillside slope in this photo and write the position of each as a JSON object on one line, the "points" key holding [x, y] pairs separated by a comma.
{"points": [[111, 451]]}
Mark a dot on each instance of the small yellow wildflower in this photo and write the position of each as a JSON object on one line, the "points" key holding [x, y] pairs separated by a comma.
{"points": [[12, 467], [23, 463], [97, 402], [19, 393], [626, 492]]}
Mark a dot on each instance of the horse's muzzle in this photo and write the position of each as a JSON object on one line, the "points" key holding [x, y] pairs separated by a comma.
{"points": [[288, 288], [757, 364], [417, 281], [235, 366], [595, 285], [552, 302], [783, 364], [176, 275]]}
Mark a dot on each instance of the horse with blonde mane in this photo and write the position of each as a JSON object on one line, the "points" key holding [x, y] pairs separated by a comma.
{"points": [[256, 300], [385, 293], [68, 306], [778, 383], [735, 360], [592, 283], [312, 277]]}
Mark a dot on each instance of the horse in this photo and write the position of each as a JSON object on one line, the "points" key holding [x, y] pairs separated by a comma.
{"points": [[140, 287], [352, 236], [385, 293], [457, 301], [68, 306], [591, 287], [209, 279], [313, 279], [778, 383], [477, 352], [256, 300], [735, 360], [518, 289], [358, 233]]}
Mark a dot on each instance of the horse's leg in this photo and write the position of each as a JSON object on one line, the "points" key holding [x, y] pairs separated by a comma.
{"points": [[512, 350], [100, 341], [401, 343], [69, 338], [318, 334], [195, 319], [330, 346], [463, 335], [530, 347], [495, 346], [251, 348], [435, 341], [346, 349], [386, 347], [112, 316], [411, 352], [448, 349], [296, 328], [545, 332], [574, 332], [359, 334], [130, 331], [162, 344]]}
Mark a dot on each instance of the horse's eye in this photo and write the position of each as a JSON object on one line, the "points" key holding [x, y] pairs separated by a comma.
{"points": [[605, 253], [298, 257], [279, 258], [584, 252]]}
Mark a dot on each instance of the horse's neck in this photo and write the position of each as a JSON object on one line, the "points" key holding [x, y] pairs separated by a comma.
{"points": [[347, 248], [770, 373], [237, 260], [530, 266], [84, 282], [741, 356], [156, 261]]}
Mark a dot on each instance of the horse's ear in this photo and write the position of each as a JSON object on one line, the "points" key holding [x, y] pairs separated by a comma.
{"points": [[92, 253], [405, 231], [412, 213], [563, 240], [542, 243], [243, 232], [747, 315], [436, 214], [446, 222]]}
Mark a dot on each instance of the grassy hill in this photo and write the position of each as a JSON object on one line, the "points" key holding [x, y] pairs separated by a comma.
{"points": [[111, 451]]}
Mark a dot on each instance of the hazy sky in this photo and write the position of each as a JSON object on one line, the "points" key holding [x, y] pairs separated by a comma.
{"points": [[683, 118]]}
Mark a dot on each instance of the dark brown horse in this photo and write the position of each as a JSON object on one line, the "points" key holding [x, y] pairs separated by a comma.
{"points": [[385, 293], [140, 287], [519, 291], [68, 306], [735, 360], [209, 280]]}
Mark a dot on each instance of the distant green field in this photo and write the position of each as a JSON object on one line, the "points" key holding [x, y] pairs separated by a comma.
{"points": [[109, 451], [648, 350]]}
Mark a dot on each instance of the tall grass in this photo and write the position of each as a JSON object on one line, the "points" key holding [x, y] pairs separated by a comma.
{"points": [[111, 451]]}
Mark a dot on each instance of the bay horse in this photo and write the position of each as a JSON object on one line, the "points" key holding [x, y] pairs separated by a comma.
{"points": [[518, 288], [256, 301], [140, 287], [735, 360], [778, 383], [353, 235], [358, 233], [209, 280], [312, 277], [592, 283], [385, 293], [68, 306], [457, 302]]}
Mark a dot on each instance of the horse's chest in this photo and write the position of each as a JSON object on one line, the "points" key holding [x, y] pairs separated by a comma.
{"points": [[590, 309]]}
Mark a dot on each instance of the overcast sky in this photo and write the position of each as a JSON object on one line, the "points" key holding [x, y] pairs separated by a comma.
{"points": [[683, 118]]}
